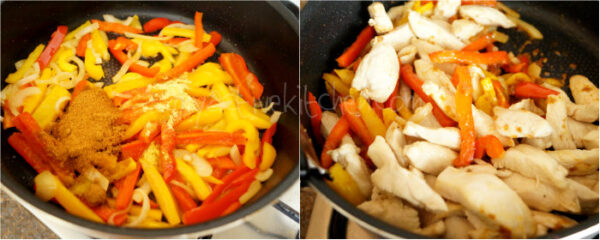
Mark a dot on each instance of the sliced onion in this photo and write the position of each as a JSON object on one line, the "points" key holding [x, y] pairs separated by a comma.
{"points": [[18, 98], [80, 68], [127, 64], [180, 25], [528, 28], [86, 30], [275, 116], [8, 91], [234, 153], [142, 63], [95, 176], [113, 19], [146, 37], [59, 102], [202, 167], [19, 63], [268, 108], [182, 154], [255, 186], [111, 219], [264, 175], [185, 187], [187, 46], [507, 10], [32, 76], [45, 185], [145, 208]]}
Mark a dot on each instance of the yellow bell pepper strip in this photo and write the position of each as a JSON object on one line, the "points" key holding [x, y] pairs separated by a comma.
{"points": [[340, 130], [368, 115], [139, 123], [153, 214], [517, 78], [53, 45], [179, 32], [64, 197], [47, 73], [62, 58], [149, 223], [389, 116], [344, 185], [115, 27], [268, 156], [469, 57], [208, 74], [31, 102], [71, 34], [47, 111], [99, 45], [488, 99], [33, 56], [157, 184], [223, 94], [135, 23], [182, 57], [464, 100], [252, 143], [500, 94], [129, 81], [357, 46], [346, 75], [200, 187], [201, 118], [352, 115], [254, 116], [167, 144], [402, 109], [95, 71], [199, 30], [164, 65], [337, 84], [197, 92]]}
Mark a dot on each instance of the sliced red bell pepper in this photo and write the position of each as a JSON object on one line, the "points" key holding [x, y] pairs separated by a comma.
{"points": [[81, 85], [232, 208], [55, 41], [18, 142], [352, 115], [184, 200], [246, 177], [122, 43], [355, 64], [82, 45], [175, 40], [167, 144], [214, 209], [133, 149], [267, 136], [221, 162], [215, 38], [198, 29], [413, 81], [194, 60], [315, 117], [122, 58], [378, 108], [354, 50], [227, 180], [8, 120], [244, 80], [126, 187], [469, 57], [519, 67], [217, 138], [104, 212], [219, 173], [480, 43], [490, 145], [115, 27], [490, 3], [464, 100], [156, 24], [532, 90], [341, 128]]}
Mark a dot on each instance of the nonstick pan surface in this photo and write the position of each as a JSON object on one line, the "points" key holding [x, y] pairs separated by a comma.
{"points": [[570, 32], [264, 33]]}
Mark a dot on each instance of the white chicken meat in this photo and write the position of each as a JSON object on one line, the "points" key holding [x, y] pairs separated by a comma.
{"points": [[577, 161], [583, 133], [379, 18], [428, 157], [556, 115], [465, 29], [445, 9], [486, 16], [583, 90], [392, 210], [377, 73], [542, 196], [424, 28], [580, 112], [484, 125], [443, 97], [424, 117], [447, 136], [396, 140], [520, 123], [398, 38], [527, 104]]}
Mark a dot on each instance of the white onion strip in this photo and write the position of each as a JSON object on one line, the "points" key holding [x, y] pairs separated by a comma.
{"points": [[275, 117], [145, 208], [86, 30], [60, 101], [81, 68], [185, 187], [234, 153], [30, 77], [268, 108], [180, 25], [18, 98], [146, 37], [111, 219], [127, 64]]}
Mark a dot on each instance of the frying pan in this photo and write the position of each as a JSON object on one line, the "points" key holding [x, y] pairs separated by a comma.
{"points": [[264, 33], [570, 36]]}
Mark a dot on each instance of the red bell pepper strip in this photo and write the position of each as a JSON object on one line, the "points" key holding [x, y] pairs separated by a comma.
{"points": [[57, 38], [519, 67], [218, 138], [355, 64], [246, 177], [215, 38], [122, 43], [354, 50], [150, 131], [469, 57], [126, 187], [221, 162], [18, 142], [413, 81], [122, 58], [500, 94], [464, 100], [213, 210], [156, 24], [391, 101], [8, 120], [244, 80], [199, 30], [378, 108], [167, 144], [267, 137], [82, 45], [532, 90], [227, 180], [184, 200], [175, 40], [315, 117], [490, 3], [489, 144], [480, 43], [81, 85], [341, 128], [194, 60], [104, 212], [232, 208], [352, 115], [133, 149], [115, 27]]}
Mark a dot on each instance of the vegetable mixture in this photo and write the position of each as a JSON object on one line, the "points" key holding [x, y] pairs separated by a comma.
{"points": [[439, 132], [173, 139]]}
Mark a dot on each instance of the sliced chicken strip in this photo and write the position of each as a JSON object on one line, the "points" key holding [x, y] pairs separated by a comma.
{"points": [[553, 221], [377, 73], [483, 228], [457, 227], [556, 115], [447, 136], [398, 38], [527, 104], [424, 117], [583, 90], [520, 123], [397, 12], [445, 9], [347, 156], [464, 29], [489, 198], [425, 28], [405, 94], [443, 97], [396, 140], [436, 229], [379, 18], [534, 163], [542, 196], [590, 140], [579, 130], [428, 157], [416, 102], [588, 199], [407, 54], [541, 142], [487, 16], [392, 210], [484, 125], [590, 181], [577, 161], [426, 71], [408, 185], [580, 112]]}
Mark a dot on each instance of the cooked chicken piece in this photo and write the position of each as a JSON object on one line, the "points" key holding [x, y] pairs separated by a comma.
{"points": [[417, 102], [476, 75], [541, 230], [556, 115], [454, 209], [328, 121], [588, 199], [583, 90], [347, 156], [442, 23], [483, 228], [425, 28], [424, 48], [379, 18], [579, 131], [447, 136], [445, 9], [442, 97], [428, 72], [457, 227], [405, 184], [428, 157], [392, 210], [405, 94], [486, 16], [489, 198], [577, 161], [520, 123], [424, 117], [407, 54], [481, 167], [397, 13], [542, 196], [552, 221], [590, 140], [377, 73], [484, 125], [534, 163], [541, 142], [436, 229], [579, 112], [395, 139], [464, 29], [590, 181], [527, 104], [397, 38]]}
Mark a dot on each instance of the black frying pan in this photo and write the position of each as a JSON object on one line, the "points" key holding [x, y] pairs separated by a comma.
{"points": [[264, 33], [571, 28]]}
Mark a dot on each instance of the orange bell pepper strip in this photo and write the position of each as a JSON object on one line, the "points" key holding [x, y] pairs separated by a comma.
{"points": [[338, 132], [217, 138], [232, 208], [8, 120], [53, 45], [378, 108], [315, 117], [519, 67], [104, 212], [209, 211], [413, 81], [480, 43], [81, 85], [82, 45], [167, 144], [354, 50], [199, 30], [469, 57], [175, 40], [352, 115], [115, 27], [18, 142], [490, 3], [133, 149], [194, 60], [532, 90], [464, 100], [184, 200], [124, 44], [222, 162], [126, 187], [215, 38], [156, 24], [500, 94], [488, 144], [122, 58], [244, 80]]}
